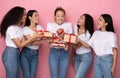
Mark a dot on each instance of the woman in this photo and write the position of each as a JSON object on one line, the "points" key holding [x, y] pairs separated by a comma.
{"points": [[59, 57], [83, 58], [29, 54], [12, 32], [104, 44]]}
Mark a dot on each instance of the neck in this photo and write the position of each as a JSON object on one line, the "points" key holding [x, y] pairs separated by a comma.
{"points": [[32, 25], [103, 29], [82, 27]]}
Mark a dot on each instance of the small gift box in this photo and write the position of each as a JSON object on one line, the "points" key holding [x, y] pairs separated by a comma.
{"points": [[70, 38], [59, 44], [47, 34], [60, 31], [56, 39]]}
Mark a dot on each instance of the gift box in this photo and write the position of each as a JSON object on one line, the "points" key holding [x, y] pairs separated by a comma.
{"points": [[45, 33], [58, 44], [70, 38], [60, 31], [56, 39]]}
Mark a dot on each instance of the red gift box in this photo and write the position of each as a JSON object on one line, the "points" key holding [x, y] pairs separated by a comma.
{"points": [[70, 38]]}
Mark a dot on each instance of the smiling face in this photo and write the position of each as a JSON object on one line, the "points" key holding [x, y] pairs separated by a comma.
{"points": [[101, 23], [34, 18], [81, 21], [59, 17]]}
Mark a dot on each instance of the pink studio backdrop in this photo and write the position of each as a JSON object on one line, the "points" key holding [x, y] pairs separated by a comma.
{"points": [[74, 8]]}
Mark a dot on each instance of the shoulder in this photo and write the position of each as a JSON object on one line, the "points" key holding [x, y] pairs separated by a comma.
{"points": [[50, 23], [39, 26], [11, 28], [25, 28], [112, 34]]}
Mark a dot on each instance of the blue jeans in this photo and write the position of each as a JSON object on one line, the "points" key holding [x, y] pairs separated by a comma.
{"points": [[29, 62], [102, 66], [10, 60], [82, 63], [58, 62]]}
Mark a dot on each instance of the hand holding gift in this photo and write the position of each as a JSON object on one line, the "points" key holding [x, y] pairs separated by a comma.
{"points": [[45, 34]]}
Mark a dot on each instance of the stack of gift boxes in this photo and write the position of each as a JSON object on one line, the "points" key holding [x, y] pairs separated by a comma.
{"points": [[69, 38]]}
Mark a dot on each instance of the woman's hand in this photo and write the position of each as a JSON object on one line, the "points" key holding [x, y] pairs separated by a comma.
{"points": [[112, 70]]}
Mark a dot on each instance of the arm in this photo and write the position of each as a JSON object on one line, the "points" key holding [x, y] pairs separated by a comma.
{"points": [[35, 42], [75, 46], [24, 42], [114, 61], [84, 43]]}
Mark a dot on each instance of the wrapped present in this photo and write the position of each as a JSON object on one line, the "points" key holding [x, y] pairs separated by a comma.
{"points": [[56, 39], [70, 38], [60, 31], [47, 34], [58, 44]]}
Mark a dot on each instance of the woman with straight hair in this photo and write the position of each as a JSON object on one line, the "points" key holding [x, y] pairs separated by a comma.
{"points": [[29, 54]]}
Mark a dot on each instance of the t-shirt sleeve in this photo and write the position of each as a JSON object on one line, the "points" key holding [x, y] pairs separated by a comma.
{"points": [[39, 27], [48, 27], [75, 29], [25, 31], [12, 32], [113, 41], [91, 40], [70, 28]]}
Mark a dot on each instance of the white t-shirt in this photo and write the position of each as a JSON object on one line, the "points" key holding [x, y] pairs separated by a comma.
{"points": [[53, 27], [13, 31], [84, 37], [103, 42], [28, 31]]}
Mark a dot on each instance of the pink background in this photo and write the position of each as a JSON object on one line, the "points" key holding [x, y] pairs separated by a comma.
{"points": [[74, 8]]}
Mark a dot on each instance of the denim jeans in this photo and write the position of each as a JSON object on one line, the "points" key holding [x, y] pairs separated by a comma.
{"points": [[29, 62], [102, 66], [82, 63], [58, 62], [10, 60]]}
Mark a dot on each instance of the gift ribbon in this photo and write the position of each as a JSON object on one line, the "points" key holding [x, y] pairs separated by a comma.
{"points": [[61, 31], [70, 37]]}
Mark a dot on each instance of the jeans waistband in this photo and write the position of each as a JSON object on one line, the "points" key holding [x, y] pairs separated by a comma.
{"points": [[31, 49], [107, 55]]}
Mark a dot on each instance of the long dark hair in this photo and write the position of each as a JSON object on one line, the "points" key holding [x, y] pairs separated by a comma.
{"points": [[89, 24], [30, 13], [108, 19], [12, 17]]}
